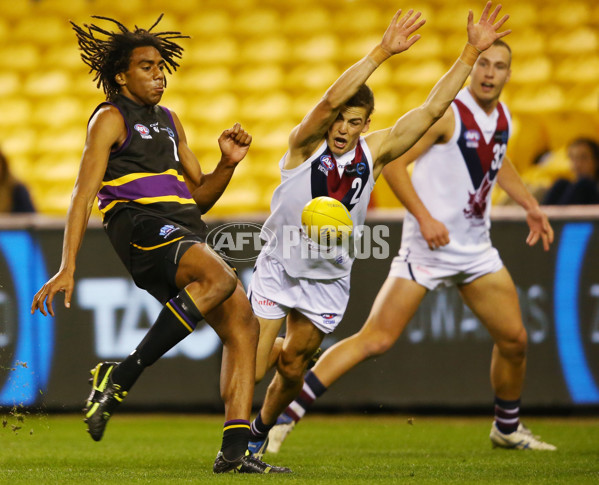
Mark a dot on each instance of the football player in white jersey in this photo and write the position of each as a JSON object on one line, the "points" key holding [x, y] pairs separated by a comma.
{"points": [[445, 241], [328, 156]]}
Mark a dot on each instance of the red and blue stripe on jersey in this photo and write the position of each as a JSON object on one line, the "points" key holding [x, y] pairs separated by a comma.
{"points": [[346, 188], [483, 159]]}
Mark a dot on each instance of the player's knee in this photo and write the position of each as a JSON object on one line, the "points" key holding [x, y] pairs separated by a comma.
{"points": [[513, 346], [291, 369], [216, 289], [373, 344]]}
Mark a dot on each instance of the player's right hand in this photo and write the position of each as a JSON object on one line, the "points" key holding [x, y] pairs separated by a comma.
{"points": [[434, 233], [397, 36], [61, 281]]}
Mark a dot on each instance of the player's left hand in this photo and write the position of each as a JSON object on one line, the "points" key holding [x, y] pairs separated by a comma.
{"points": [[482, 34], [539, 228], [234, 143]]}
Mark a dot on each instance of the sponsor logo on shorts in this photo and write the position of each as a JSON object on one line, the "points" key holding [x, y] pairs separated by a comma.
{"points": [[328, 318], [423, 269], [165, 231], [265, 302], [143, 130]]}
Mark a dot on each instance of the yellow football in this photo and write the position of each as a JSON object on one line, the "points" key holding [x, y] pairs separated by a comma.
{"points": [[326, 221]]}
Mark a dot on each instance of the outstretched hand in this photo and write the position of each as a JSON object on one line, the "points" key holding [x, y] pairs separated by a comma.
{"points": [[397, 36], [234, 143], [482, 34], [60, 282], [539, 228]]}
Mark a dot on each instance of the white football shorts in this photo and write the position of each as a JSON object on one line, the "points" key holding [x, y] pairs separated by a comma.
{"points": [[433, 277], [273, 293]]}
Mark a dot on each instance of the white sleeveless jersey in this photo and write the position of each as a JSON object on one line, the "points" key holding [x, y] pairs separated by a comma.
{"points": [[454, 181], [320, 175]]}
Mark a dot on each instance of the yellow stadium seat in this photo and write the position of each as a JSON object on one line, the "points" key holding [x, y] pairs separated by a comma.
{"points": [[381, 78], [524, 16], [425, 73], [65, 56], [531, 70], [58, 112], [219, 108], [9, 83], [273, 106], [211, 51], [4, 31], [312, 76], [584, 98], [259, 78], [319, 48], [527, 42], [430, 46], [18, 140], [571, 14], [305, 21], [540, 99], [578, 69], [47, 83], [267, 48], [13, 11], [563, 127], [204, 79], [124, 12], [22, 57], [57, 140], [356, 47], [582, 40], [354, 20], [43, 30], [15, 111], [206, 23], [258, 22]]}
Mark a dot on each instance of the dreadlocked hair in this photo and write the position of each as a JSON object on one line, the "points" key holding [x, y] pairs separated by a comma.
{"points": [[108, 56]]}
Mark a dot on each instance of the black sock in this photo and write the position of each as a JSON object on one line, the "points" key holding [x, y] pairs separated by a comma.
{"points": [[176, 321], [507, 415], [259, 430], [236, 434]]}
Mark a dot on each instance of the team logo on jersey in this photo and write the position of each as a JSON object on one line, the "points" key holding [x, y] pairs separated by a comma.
{"points": [[472, 138], [154, 126], [143, 130], [327, 162], [165, 231]]}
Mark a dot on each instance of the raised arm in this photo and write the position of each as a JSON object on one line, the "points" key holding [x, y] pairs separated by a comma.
{"points": [[538, 223], [206, 189], [106, 129], [307, 136], [387, 145]]}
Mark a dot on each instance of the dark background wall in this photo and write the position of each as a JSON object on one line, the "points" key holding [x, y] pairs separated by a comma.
{"points": [[441, 360]]}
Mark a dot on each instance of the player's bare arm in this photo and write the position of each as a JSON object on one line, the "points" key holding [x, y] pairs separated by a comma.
{"points": [[308, 135], [206, 189], [387, 145], [396, 174], [106, 131], [538, 223]]}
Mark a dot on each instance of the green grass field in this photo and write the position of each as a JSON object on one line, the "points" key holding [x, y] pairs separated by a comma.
{"points": [[169, 449]]}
